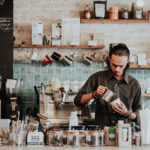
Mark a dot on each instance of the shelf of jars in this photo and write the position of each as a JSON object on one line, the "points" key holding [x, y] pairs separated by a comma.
{"points": [[136, 66], [58, 46], [95, 20], [145, 95], [114, 21]]}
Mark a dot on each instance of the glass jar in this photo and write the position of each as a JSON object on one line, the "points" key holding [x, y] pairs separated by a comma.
{"points": [[80, 134], [82, 138], [73, 138], [102, 138], [87, 13], [64, 138], [64, 135], [125, 13], [92, 136], [54, 138]]}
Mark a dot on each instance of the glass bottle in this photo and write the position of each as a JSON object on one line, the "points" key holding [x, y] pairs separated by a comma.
{"points": [[87, 13], [125, 13], [132, 11]]}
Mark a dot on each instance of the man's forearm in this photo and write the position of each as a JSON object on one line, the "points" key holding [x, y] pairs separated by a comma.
{"points": [[87, 97]]}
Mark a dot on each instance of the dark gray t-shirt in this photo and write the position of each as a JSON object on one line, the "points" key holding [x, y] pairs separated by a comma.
{"points": [[128, 90]]}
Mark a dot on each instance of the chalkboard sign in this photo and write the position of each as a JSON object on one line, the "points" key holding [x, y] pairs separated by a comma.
{"points": [[6, 45], [6, 38]]}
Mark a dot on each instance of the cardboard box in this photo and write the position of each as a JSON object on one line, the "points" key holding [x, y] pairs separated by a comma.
{"points": [[110, 134]]}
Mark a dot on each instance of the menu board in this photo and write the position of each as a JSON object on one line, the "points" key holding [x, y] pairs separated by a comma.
{"points": [[6, 47], [6, 38]]}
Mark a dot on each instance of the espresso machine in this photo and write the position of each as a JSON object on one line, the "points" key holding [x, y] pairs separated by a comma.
{"points": [[13, 99], [57, 105]]}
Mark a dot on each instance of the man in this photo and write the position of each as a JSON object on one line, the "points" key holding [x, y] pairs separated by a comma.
{"points": [[124, 86]]}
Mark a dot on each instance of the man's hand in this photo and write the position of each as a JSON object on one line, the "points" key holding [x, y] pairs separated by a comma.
{"points": [[87, 97], [120, 108], [100, 90]]}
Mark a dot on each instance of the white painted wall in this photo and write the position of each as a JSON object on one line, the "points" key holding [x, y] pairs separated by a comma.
{"points": [[135, 35]]}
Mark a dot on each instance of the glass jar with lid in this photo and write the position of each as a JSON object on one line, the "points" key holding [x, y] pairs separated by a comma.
{"points": [[80, 135], [102, 138], [54, 138], [92, 136], [82, 138], [125, 13], [73, 138], [87, 13], [64, 129]]}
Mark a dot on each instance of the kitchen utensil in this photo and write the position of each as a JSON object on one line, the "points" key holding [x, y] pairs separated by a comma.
{"points": [[108, 94], [55, 57], [67, 60], [47, 60], [87, 59]]}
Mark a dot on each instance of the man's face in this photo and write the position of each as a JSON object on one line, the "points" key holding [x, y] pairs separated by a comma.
{"points": [[118, 64]]}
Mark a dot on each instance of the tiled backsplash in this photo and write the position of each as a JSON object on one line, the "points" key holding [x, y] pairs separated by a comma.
{"points": [[33, 73]]}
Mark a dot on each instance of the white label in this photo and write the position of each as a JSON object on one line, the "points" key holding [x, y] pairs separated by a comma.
{"points": [[100, 10], [35, 138]]}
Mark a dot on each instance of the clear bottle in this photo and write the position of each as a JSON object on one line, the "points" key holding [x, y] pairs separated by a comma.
{"points": [[87, 13], [73, 119]]}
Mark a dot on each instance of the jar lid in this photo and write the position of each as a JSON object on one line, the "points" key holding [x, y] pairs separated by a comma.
{"points": [[78, 127], [64, 127], [82, 132], [91, 127]]}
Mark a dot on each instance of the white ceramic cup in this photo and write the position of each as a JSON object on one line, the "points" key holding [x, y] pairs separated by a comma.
{"points": [[115, 102]]}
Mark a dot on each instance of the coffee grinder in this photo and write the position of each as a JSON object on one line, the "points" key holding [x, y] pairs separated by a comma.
{"points": [[13, 99]]}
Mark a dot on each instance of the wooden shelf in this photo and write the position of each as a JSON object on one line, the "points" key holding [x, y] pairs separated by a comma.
{"points": [[145, 95], [135, 66], [114, 21], [57, 46], [94, 20]]}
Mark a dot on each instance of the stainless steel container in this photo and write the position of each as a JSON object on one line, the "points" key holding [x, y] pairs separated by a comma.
{"points": [[108, 94]]}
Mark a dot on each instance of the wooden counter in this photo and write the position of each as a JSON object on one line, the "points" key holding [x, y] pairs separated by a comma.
{"points": [[73, 148]]}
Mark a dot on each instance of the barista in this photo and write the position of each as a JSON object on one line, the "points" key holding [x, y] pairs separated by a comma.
{"points": [[124, 86]]}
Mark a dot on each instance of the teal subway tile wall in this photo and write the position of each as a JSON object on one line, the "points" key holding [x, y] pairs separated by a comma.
{"points": [[34, 73]]}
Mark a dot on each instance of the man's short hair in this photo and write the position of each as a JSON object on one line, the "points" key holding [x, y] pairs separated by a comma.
{"points": [[120, 50]]}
